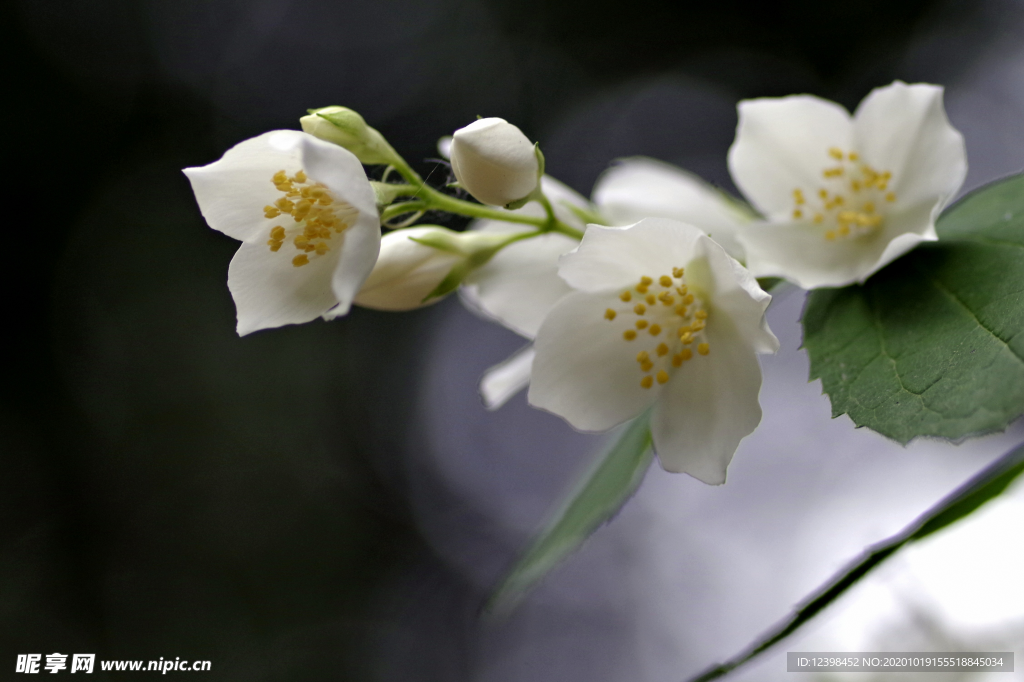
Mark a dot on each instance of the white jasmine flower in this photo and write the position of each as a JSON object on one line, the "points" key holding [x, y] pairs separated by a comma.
{"points": [[520, 284], [309, 227], [494, 161], [637, 188], [844, 195], [660, 315], [406, 271]]}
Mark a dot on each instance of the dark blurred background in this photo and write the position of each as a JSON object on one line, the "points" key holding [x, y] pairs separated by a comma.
{"points": [[270, 503]]}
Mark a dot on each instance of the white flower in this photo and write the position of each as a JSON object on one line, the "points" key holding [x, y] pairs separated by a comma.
{"points": [[520, 284], [844, 195], [659, 315], [306, 216], [494, 161], [406, 271], [639, 187]]}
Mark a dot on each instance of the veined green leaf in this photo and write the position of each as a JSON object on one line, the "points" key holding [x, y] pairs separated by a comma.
{"points": [[596, 499], [987, 484], [933, 345]]}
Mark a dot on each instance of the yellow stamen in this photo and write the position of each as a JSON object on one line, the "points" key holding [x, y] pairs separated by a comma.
{"points": [[640, 309], [300, 260], [625, 297], [662, 350], [677, 273], [647, 381], [609, 314], [703, 348], [646, 281], [643, 356], [650, 298], [655, 329], [662, 376], [629, 335], [665, 281], [836, 153], [641, 324]]}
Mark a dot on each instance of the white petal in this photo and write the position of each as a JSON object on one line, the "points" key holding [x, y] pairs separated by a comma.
{"points": [[503, 381], [343, 174], [782, 144], [799, 251], [233, 190], [639, 188], [270, 292], [730, 290], [520, 284], [708, 406], [904, 129], [584, 371], [613, 259]]}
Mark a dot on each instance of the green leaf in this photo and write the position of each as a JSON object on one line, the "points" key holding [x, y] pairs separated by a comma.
{"points": [[987, 484], [596, 499], [933, 345]]}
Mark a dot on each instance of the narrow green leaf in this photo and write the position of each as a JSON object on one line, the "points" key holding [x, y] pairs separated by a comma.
{"points": [[596, 499], [932, 345], [989, 483]]}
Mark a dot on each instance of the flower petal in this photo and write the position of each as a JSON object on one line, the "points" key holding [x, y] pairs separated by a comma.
{"points": [[584, 371], [904, 129], [708, 407], [504, 380], [343, 174], [233, 190], [520, 284], [799, 251], [612, 258], [271, 292], [782, 144], [729, 290], [639, 188]]}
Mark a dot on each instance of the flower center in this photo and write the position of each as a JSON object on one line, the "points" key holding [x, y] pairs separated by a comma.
{"points": [[318, 215], [848, 202], [672, 310]]}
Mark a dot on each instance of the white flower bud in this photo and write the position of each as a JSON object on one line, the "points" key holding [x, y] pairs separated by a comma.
{"points": [[407, 271], [347, 129], [494, 161]]}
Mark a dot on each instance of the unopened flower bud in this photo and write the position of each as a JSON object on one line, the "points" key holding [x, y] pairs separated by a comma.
{"points": [[347, 129], [407, 272], [494, 161]]}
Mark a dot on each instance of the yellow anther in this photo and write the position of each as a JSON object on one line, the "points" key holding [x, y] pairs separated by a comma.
{"points": [[609, 314], [681, 290], [887, 176], [891, 196], [697, 325], [317, 192], [853, 156], [836, 153], [641, 324], [830, 235], [271, 212], [798, 214], [844, 230], [629, 335], [847, 216], [663, 295], [279, 177], [650, 298], [681, 310], [643, 356], [299, 176], [665, 281], [277, 233], [839, 200], [304, 193], [322, 248], [855, 185], [662, 376], [301, 241], [818, 218], [686, 354], [677, 272], [832, 172], [639, 309], [689, 299], [701, 314], [300, 260], [686, 337], [677, 360], [274, 244], [284, 205], [641, 289], [625, 296], [798, 197], [668, 300], [662, 350], [703, 348], [646, 281], [325, 200], [647, 381], [646, 366], [655, 329], [823, 193]]}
